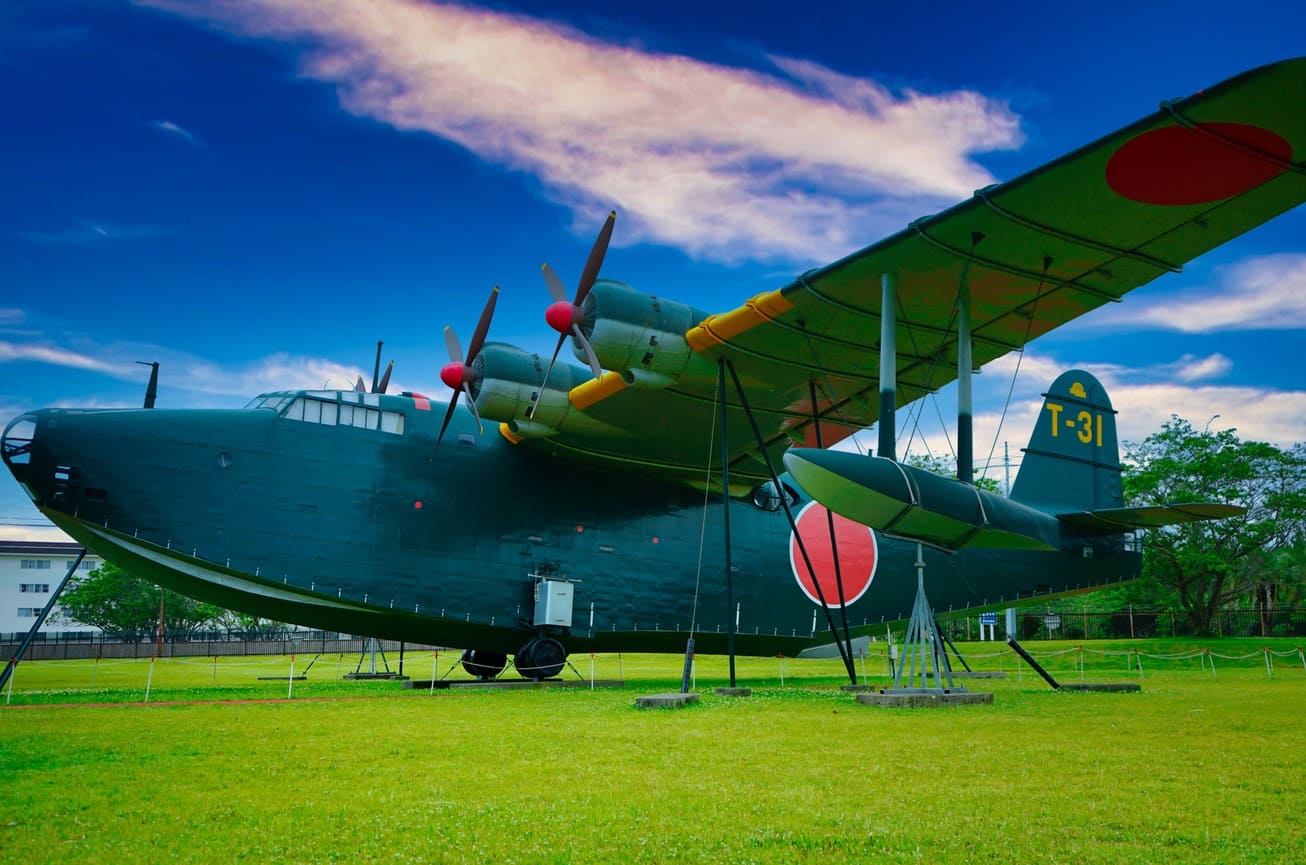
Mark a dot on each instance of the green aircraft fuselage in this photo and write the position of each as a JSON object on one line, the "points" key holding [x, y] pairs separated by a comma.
{"points": [[361, 525]]}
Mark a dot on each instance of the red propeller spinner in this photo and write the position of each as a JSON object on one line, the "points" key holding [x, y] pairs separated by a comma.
{"points": [[458, 374], [566, 316]]}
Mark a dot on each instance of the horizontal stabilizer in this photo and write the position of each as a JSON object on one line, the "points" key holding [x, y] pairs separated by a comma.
{"points": [[1153, 517]]}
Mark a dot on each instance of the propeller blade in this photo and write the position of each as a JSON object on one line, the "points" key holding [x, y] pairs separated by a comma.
{"points": [[471, 404], [385, 378], [591, 271], [452, 345], [551, 279], [448, 416], [547, 371], [360, 386], [482, 328], [589, 351]]}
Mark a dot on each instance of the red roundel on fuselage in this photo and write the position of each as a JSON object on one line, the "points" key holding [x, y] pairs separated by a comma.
{"points": [[857, 556], [1177, 165]]}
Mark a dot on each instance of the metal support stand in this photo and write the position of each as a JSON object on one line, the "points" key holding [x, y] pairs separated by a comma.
{"points": [[40, 620], [922, 647], [372, 648]]}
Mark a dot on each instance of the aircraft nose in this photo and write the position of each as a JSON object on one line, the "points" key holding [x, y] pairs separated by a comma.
{"points": [[29, 459], [21, 453]]}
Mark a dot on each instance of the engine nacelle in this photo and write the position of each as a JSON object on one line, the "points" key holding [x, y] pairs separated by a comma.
{"points": [[507, 382], [641, 336]]}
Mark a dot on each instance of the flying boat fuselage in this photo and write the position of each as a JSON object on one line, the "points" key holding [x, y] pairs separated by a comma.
{"points": [[334, 509]]}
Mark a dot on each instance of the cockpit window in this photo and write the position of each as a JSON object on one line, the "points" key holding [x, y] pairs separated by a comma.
{"points": [[274, 401], [312, 409]]}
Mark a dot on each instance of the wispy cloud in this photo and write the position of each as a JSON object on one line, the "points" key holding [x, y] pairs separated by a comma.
{"points": [[1263, 293], [90, 233], [1144, 398], [11, 352], [195, 382], [802, 164], [172, 130]]}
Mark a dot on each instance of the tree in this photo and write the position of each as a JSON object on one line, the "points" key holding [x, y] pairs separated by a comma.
{"points": [[1210, 564], [111, 599], [947, 467]]}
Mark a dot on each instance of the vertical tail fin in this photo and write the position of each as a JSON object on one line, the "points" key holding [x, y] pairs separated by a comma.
{"points": [[1073, 459]]}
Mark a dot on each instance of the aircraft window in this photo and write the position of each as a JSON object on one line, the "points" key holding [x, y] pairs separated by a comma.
{"points": [[371, 399], [296, 410], [331, 395], [329, 411], [366, 418], [313, 410], [276, 402], [766, 498], [392, 422], [346, 415], [349, 396]]}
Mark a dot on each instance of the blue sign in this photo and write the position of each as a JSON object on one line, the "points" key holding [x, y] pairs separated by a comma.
{"points": [[988, 618]]}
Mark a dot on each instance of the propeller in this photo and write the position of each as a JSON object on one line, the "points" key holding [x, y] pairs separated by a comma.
{"points": [[566, 316], [458, 374], [360, 385]]}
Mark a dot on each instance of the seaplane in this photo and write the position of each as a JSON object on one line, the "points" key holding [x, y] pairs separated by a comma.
{"points": [[688, 475]]}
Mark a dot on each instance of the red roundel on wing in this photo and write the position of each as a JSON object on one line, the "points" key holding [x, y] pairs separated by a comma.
{"points": [[1178, 165], [857, 556]]}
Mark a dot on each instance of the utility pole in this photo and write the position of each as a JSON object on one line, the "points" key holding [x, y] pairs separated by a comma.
{"points": [[1006, 467]]}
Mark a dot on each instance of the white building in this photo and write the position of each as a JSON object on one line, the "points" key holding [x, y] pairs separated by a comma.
{"points": [[30, 571]]}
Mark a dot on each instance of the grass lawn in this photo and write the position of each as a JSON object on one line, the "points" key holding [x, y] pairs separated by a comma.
{"points": [[1199, 767]]}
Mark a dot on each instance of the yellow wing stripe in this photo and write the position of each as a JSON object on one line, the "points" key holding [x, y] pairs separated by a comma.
{"points": [[717, 329], [582, 396]]}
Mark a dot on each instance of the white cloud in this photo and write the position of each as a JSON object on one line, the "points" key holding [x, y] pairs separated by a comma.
{"points": [[194, 382], [727, 163], [167, 127], [44, 353], [89, 233], [1144, 398], [18, 532], [1263, 293]]}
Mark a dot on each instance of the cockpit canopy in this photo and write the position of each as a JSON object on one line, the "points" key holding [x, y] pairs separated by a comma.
{"points": [[332, 408]]}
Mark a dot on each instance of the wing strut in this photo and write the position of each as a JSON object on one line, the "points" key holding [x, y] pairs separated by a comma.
{"points": [[888, 364], [829, 518], [965, 400], [845, 652], [732, 620]]}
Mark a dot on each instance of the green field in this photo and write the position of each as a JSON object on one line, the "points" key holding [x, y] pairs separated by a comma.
{"points": [[1199, 767]]}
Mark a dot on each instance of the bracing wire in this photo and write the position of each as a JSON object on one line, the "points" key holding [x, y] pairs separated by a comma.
{"points": [[1020, 356], [702, 530]]}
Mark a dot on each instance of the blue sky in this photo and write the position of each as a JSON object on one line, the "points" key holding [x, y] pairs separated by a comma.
{"points": [[254, 192]]}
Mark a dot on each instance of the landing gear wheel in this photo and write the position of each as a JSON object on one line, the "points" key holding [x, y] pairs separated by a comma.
{"points": [[482, 664], [540, 658]]}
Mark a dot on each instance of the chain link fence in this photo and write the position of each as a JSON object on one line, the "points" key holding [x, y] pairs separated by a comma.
{"points": [[1133, 623]]}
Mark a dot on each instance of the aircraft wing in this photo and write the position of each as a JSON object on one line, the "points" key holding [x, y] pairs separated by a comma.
{"points": [[1037, 251]]}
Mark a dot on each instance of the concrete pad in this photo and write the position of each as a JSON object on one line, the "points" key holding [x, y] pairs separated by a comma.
{"points": [[734, 692], [665, 701], [1108, 687], [925, 699]]}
